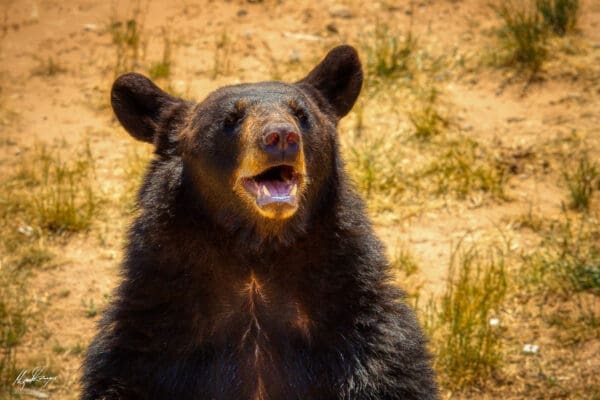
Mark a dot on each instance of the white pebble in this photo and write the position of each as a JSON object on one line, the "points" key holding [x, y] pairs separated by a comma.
{"points": [[25, 230], [531, 348]]}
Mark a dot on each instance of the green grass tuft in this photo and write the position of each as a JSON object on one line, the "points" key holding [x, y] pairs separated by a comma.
{"points": [[427, 121], [581, 183], [375, 166], [64, 199], [128, 38], [48, 68], [572, 257], [389, 54], [522, 36], [52, 194], [468, 347], [89, 308], [560, 16], [402, 260], [162, 69]]}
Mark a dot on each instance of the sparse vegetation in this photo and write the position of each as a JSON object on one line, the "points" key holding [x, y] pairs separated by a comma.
{"points": [[569, 259], [89, 308], [560, 16], [222, 56], [427, 120], [419, 161], [12, 324], [128, 38], [464, 168], [33, 256], [581, 183], [403, 260], [522, 36], [47, 68], [162, 69], [526, 28], [564, 270], [389, 54], [376, 167], [467, 341], [134, 167], [61, 195], [52, 194]]}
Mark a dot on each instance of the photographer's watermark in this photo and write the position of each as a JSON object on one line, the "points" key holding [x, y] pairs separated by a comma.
{"points": [[30, 377]]}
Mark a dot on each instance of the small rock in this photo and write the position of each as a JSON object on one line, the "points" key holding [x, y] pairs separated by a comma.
{"points": [[332, 28], [242, 12], [90, 27], [340, 11], [25, 230], [531, 348], [494, 322], [294, 56]]}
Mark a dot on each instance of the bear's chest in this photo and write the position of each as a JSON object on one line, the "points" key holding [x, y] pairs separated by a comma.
{"points": [[264, 329]]}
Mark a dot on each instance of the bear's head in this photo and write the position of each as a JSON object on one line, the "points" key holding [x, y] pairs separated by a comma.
{"points": [[260, 154]]}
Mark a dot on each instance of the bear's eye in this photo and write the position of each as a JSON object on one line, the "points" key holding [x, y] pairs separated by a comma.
{"points": [[302, 117], [232, 122]]}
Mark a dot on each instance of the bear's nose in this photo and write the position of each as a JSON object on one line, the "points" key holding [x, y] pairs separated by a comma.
{"points": [[281, 141]]}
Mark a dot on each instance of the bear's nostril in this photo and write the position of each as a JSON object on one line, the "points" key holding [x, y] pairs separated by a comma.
{"points": [[292, 138], [271, 139]]}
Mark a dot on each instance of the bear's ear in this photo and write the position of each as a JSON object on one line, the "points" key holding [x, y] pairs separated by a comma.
{"points": [[338, 78], [139, 104]]}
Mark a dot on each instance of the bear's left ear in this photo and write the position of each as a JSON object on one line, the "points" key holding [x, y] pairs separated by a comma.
{"points": [[338, 78]]}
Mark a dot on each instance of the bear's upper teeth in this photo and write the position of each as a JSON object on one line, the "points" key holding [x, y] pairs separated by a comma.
{"points": [[266, 191], [294, 190]]}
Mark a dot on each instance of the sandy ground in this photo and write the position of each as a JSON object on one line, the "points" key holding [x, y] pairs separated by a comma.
{"points": [[266, 40]]}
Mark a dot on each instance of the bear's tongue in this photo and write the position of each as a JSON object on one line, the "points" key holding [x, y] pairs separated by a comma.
{"points": [[275, 192]]}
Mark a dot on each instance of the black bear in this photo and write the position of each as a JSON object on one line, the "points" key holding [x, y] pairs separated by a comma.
{"points": [[252, 271]]}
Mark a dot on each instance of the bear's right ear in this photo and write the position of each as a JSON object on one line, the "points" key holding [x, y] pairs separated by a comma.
{"points": [[138, 104]]}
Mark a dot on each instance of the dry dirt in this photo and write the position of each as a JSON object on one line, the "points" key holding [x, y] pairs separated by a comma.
{"points": [[271, 39]]}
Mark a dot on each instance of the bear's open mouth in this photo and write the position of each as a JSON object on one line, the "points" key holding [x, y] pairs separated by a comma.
{"points": [[275, 185]]}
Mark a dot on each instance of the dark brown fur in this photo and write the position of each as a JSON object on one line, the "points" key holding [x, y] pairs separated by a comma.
{"points": [[219, 302]]}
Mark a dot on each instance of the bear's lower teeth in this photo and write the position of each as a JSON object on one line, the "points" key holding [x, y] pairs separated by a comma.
{"points": [[276, 192]]}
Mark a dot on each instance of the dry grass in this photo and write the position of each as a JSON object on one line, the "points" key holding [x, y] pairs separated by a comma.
{"points": [[13, 316], [560, 16], [410, 160], [522, 36], [128, 38], [57, 195], [389, 55], [222, 55], [466, 340], [162, 69], [582, 183]]}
